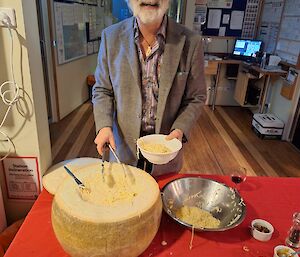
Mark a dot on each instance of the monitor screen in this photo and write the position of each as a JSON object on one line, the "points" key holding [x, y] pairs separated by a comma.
{"points": [[246, 47]]}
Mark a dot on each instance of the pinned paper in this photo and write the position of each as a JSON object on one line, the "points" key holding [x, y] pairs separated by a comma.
{"points": [[236, 21], [222, 31], [226, 18], [214, 18]]}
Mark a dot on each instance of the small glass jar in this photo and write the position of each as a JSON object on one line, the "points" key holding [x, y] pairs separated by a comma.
{"points": [[293, 238]]}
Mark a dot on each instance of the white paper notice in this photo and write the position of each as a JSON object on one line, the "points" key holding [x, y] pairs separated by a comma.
{"points": [[226, 18], [214, 18], [222, 31], [236, 21], [22, 178], [68, 15], [219, 4]]}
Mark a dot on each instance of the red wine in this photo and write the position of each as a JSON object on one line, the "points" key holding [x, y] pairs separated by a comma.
{"points": [[237, 179]]}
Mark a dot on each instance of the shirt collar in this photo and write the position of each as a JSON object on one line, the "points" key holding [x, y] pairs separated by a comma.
{"points": [[161, 32]]}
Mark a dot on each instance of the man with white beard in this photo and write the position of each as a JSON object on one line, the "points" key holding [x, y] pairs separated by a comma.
{"points": [[149, 79]]}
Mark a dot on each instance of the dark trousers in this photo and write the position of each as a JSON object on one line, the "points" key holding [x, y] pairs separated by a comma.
{"points": [[143, 163]]}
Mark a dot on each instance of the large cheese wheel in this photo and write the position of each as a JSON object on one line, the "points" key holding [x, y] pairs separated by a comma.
{"points": [[117, 215]]}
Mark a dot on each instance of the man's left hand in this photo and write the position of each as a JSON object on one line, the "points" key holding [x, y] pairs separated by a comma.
{"points": [[176, 133]]}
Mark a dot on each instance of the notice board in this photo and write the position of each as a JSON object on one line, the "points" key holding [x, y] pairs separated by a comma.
{"points": [[71, 41], [233, 18], [288, 44], [227, 21], [78, 26]]}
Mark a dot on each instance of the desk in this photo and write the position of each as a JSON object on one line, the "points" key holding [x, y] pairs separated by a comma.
{"points": [[266, 88], [273, 199], [215, 86], [263, 72]]}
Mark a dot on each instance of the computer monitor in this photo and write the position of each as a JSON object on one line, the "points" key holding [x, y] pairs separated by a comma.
{"points": [[246, 48]]}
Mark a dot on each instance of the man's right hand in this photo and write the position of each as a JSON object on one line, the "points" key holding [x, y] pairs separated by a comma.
{"points": [[104, 136]]}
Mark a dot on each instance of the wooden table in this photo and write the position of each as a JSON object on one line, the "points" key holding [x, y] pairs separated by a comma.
{"points": [[267, 83], [218, 74], [273, 199], [268, 74]]}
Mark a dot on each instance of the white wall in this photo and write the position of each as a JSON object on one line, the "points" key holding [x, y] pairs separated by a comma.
{"points": [[72, 90], [71, 83], [282, 107], [27, 125], [219, 45], [189, 13]]}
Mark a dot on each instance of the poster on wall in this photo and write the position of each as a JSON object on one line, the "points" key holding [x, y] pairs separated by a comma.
{"points": [[270, 24], [223, 4], [22, 178], [70, 31]]}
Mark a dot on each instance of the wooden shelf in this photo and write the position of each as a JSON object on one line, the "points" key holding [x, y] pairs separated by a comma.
{"points": [[288, 88]]}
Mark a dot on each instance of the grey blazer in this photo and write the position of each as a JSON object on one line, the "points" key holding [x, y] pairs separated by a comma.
{"points": [[117, 99]]}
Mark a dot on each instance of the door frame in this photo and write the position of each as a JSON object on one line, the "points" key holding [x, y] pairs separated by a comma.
{"points": [[292, 121], [44, 8]]}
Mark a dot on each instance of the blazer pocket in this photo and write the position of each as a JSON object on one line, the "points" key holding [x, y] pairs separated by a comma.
{"points": [[181, 77]]}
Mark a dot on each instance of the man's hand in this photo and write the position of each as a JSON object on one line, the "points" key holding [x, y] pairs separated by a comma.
{"points": [[176, 133], [104, 136]]}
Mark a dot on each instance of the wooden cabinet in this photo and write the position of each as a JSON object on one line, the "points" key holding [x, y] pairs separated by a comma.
{"points": [[211, 68], [241, 87], [248, 88]]}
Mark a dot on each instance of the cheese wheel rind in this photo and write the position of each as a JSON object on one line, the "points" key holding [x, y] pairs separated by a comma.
{"points": [[126, 234]]}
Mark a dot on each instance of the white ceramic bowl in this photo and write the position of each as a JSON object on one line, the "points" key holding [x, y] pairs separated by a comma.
{"points": [[159, 158], [284, 249], [261, 236]]}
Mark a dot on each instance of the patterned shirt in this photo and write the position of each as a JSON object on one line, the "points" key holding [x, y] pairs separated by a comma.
{"points": [[150, 74]]}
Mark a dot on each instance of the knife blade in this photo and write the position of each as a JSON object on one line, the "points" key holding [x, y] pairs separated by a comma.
{"points": [[79, 183]]}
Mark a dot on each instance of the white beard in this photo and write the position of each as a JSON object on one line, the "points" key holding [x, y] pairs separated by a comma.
{"points": [[149, 16]]}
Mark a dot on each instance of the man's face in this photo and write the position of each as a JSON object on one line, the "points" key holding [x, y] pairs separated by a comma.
{"points": [[149, 11]]}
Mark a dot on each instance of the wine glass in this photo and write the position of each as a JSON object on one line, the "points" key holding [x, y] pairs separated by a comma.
{"points": [[239, 176]]}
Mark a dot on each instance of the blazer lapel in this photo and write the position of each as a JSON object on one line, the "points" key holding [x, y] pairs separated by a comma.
{"points": [[172, 53], [130, 50]]}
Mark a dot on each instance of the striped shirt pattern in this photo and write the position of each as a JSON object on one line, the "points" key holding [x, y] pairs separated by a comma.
{"points": [[150, 74]]}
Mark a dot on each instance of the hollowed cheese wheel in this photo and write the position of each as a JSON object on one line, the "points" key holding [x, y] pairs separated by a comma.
{"points": [[118, 215]]}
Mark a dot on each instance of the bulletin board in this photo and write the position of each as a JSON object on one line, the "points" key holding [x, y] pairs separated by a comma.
{"points": [[288, 43], [77, 29], [225, 21]]}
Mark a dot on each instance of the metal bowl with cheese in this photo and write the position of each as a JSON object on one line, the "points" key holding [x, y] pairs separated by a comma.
{"points": [[203, 204]]}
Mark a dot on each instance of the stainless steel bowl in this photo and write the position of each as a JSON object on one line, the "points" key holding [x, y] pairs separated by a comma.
{"points": [[223, 202]]}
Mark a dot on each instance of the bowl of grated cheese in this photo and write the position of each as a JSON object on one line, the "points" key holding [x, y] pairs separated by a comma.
{"points": [[157, 149]]}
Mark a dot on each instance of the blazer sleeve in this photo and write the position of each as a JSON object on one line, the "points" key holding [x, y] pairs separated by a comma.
{"points": [[194, 95], [102, 94]]}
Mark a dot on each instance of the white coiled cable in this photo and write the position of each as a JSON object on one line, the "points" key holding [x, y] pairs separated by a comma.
{"points": [[13, 89]]}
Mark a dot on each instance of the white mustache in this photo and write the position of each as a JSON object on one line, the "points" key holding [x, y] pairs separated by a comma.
{"points": [[149, 2]]}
